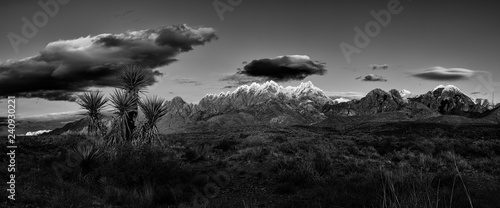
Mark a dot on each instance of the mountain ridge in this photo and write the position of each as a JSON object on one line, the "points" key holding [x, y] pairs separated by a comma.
{"points": [[272, 104]]}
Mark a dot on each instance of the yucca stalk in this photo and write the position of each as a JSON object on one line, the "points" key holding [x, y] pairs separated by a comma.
{"points": [[93, 102], [133, 79], [153, 109], [123, 103]]}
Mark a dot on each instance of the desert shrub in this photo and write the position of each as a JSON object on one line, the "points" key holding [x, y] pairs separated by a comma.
{"points": [[285, 189], [425, 146], [143, 177], [132, 166], [405, 187], [352, 190], [288, 148], [482, 148], [322, 163], [146, 195], [71, 195], [299, 170], [255, 141], [227, 144], [243, 135], [279, 138], [386, 144], [454, 161], [295, 177], [251, 153], [369, 152], [198, 153]]}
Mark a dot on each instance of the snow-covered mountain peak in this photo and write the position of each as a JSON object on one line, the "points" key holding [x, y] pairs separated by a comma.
{"points": [[448, 88], [274, 88], [451, 88], [271, 89], [438, 87], [405, 93]]}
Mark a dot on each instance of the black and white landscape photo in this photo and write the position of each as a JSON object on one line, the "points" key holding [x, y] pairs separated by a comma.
{"points": [[249, 103]]}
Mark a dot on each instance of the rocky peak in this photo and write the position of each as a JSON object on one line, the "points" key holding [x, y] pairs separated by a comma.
{"points": [[448, 100], [376, 101], [178, 100]]}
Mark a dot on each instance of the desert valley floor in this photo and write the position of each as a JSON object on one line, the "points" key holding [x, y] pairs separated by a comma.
{"points": [[403, 164]]}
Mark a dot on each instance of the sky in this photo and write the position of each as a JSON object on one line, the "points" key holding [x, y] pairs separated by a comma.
{"points": [[196, 47]]}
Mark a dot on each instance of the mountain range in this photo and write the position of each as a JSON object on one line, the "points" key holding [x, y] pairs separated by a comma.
{"points": [[272, 104]]}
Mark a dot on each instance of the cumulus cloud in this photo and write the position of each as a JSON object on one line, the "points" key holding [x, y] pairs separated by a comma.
{"points": [[372, 78], [283, 68], [67, 66], [443, 74]]}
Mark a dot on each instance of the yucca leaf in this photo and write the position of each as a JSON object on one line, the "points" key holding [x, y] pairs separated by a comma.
{"points": [[124, 103], [153, 109], [93, 102], [134, 78]]}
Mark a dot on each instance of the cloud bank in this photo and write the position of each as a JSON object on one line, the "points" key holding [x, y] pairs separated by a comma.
{"points": [[65, 67], [443, 74]]}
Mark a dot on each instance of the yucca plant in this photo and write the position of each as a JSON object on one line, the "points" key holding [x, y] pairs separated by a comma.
{"points": [[124, 103], [93, 102], [153, 109], [89, 157], [133, 79]]}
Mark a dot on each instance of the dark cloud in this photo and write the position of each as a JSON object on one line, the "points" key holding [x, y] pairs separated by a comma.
{"points": [[372, 78], [51, 95], [378, 67], [67, 66], [3, 123], [187, 81], [283, 68], [443, 74]]}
